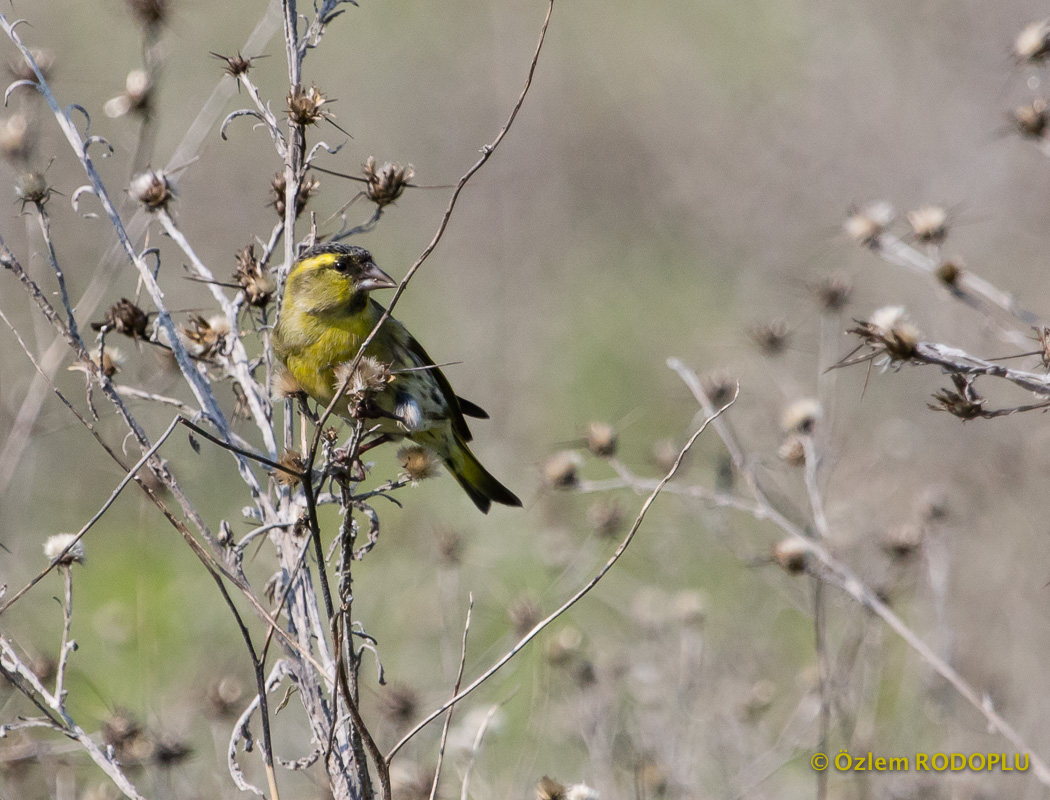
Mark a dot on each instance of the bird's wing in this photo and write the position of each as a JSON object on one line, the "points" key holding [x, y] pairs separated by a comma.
{"points": [[452, 403], [470, 409]]}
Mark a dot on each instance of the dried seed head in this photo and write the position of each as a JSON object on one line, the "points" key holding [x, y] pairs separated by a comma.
{"points": [[550, 789], [235, 65], [126, 318], [169, 751], [565, 647], [665, 453], [771, 338], [150, 13], [1032, 120], [524, 613], [306, 106], [689, 608], [419, 463], [865, 225], [948, 273], [801, 416], [289, 460], [890, 327], [21, 71], [308, 187], [792, 451], [929, 224], [963, 403], [399, 704], [1042, 338], [15, 141], [224, 696], [903, 541], [791, 554], [562, 470], [371, 377], [32, 187], [110, 362], [833, 291], [601, 439], [1033, 42], [284, 384], [153, 189], [135, 99], [719, 387], [606, 518], [255, 281], [450, 546], [385, 183], [581, 791], [205, 337], [120, 729], [54, 546]]}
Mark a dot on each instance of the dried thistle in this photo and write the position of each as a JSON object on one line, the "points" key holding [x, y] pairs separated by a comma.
{"points": [[929, 224], [550, 789], [948, 273], [256, 283], [290, 460], [601, 439], [308, 186], [1042, 338], [126, 318], [205, 337], [32, 187], [1032, 120], [306, 106], [370, 378], [801, 416], [562, 470], [792, 451], [581, 791], [771, 338], [399, 704], [606, 518], [833, 291], [419, 463], [386, 183], [963, 403], [15, 141], [54, 546], [689, 608], [135, 99], [565, 647], [524, 613], [791, 555], [1033, 42], [224, 696], [284, 384], [126, 736], [21, 71], [903, 541], [109, 363], [865, 225], [153, 189], [719, 387], [169, 751], [235, 65], [450, 546], [889, 329]]}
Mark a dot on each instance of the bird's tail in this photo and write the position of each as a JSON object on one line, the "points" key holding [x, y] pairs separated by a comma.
{"points": [[482, 488]]}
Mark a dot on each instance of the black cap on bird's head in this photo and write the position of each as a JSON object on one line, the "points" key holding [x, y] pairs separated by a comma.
{"points": [[345, 259]]}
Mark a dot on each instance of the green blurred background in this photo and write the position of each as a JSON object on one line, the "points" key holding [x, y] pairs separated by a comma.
{"points": [[679, 172]]}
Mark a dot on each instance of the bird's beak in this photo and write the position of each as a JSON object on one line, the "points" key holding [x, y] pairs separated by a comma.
{"points": [[374, 278]]}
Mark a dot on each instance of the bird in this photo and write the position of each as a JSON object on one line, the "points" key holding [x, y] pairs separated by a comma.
{"points": [[326, 313]]}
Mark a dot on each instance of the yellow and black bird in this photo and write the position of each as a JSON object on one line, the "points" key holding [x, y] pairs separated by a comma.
{"points": [[327, 312]]}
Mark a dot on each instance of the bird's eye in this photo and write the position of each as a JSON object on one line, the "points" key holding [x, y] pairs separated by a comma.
{"points": [[342, 266]]}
